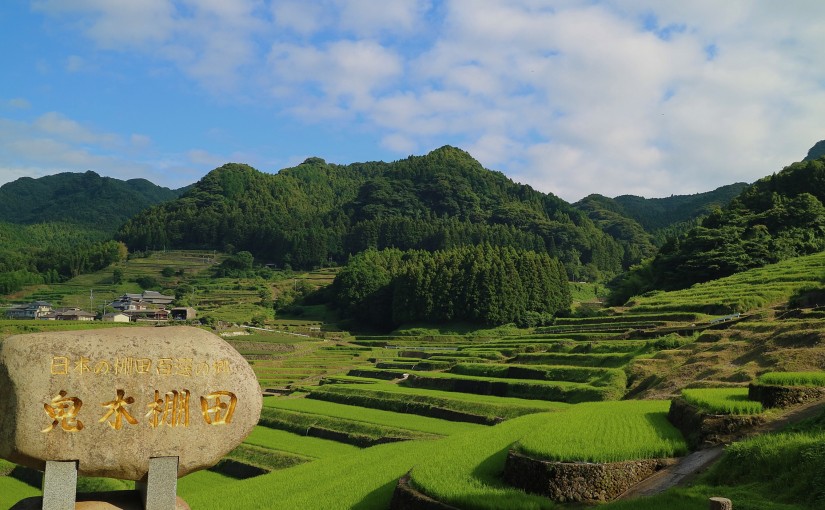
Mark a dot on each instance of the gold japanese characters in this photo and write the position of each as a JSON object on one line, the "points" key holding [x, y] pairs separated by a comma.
{"points": [[170, 408], [153, 392], [64, 365]]}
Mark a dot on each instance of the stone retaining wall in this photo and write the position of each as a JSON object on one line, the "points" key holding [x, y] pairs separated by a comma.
{"points": [[237, 469], [784, 396], [358, 440], [419, 408], [577, 481], [702, 429], [407, 497]]}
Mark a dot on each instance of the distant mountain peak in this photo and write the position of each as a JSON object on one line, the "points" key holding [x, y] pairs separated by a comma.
{"points": [[817, 151]]}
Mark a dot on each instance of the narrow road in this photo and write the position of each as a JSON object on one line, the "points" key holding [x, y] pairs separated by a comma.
{"points": [[690, 466]]}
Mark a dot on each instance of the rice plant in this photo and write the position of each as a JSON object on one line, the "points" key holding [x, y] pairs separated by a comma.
{"points": [[722, 400], [793, 378], [606, 432]]}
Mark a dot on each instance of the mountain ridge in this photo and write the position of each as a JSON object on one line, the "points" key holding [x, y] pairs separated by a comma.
{"points": [[88, 199]]}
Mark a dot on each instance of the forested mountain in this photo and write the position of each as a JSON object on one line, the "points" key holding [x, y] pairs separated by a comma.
{"points": [[778, 217], [816, 152], [660, 217], [87, 199], [59, 226], [318, 213]]}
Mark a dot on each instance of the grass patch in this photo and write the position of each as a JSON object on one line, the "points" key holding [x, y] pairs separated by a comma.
{"points": [[559, 391], [354, 432], [265, 457], [405, 399], [13, 490], [606, 432], [722, 400], [612, 360], [281, 440], [588, 375], [793, 378], [373, 416]]}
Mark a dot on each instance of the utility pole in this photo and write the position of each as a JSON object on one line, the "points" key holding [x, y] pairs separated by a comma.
{"points": [[91, 301]]}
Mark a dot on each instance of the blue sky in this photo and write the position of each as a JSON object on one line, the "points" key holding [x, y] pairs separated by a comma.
{"points": [[571, 96]]}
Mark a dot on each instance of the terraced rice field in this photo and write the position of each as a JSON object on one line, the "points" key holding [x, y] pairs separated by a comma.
{"points": [[449, 408], [793, 378], [722, 400], [740, 292]]}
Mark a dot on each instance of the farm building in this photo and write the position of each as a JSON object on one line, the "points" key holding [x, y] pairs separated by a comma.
{"points": [[147, 315], [115, 317], [183, 313]]}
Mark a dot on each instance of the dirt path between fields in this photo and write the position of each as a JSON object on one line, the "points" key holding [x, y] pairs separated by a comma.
{"points": [[689, 467]]}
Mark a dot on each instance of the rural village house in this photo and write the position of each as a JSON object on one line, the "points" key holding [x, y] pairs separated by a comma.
{"points": [[141, 301], [146, 306], [36, 310], [75, 314], [115, 317]]}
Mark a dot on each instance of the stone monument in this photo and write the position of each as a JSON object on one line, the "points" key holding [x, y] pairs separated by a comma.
{"points": [[138, 403]]}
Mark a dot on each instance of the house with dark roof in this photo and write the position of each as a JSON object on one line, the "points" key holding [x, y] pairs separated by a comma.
{"points": [[35, 310], [143, 301], [75, 314]]}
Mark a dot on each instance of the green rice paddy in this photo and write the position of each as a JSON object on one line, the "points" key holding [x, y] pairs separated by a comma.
{"points": [[793, 378], [722, 400]]}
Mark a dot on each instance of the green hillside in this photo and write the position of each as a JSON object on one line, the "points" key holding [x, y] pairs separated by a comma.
{"points": [[86, 199], [628, 217], [779, 217], [317, 213]]}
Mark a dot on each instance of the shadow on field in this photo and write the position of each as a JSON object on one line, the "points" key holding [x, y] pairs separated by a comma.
{"points": [[379, 498], [489, 470], [660, 423]]}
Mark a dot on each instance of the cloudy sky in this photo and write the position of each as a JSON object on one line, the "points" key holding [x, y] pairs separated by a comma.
{"points": [[647, 97]]}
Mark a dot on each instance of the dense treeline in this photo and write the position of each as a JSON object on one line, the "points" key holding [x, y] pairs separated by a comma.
{"points": [[779, 217], [319, 213], [50, 253], [481, 284]]}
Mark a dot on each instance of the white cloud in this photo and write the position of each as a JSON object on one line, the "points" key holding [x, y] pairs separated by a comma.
{"points": [[75, 63], [57, 124], [203, 158], [572, 96], [210, 40], [118, 23], [298, 16], [19, 103], [139, 141], [368, 17], [345, 73], [399, 143], [54, 143]]}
